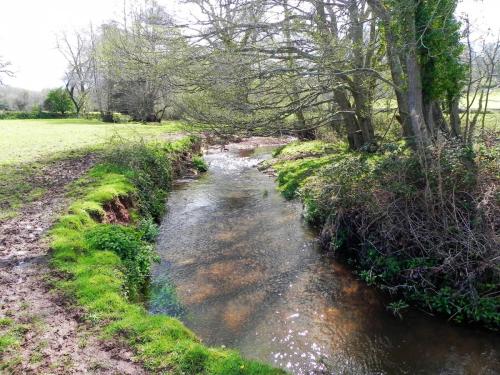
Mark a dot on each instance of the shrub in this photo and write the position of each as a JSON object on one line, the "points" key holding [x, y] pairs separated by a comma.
{"points": [[149, 229], [93, 116], [137, 256], [58, 100], [116, 117], [149, 168], [424, 229], [120, 118], [12, 115]]}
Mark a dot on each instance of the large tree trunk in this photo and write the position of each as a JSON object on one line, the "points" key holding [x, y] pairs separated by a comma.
{"points": [[360, 88], [419, 127], [396, 66], [354, 133]]}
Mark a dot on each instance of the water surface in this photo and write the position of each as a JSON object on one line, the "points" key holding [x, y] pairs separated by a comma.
{"points": [[251, 276]]}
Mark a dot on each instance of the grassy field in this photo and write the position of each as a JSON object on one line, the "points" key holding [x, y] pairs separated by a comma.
{"points": [[28, 148], [29, 140]]}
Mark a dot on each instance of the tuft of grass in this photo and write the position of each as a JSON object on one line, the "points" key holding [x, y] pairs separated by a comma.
{"points": [[11, 335], [97, 280], [200, 163]]}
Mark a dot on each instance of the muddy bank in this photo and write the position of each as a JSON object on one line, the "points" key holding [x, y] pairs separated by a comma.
{"points": [[52, 336]]}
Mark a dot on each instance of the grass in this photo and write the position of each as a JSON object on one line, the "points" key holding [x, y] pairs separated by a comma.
{"points": [[297, 150], [30, 140], [29, 147], [96, 280], [21, 183], [11, 336]]}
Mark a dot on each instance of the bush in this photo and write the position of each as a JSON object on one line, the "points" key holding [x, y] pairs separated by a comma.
{"points": [[137, 256], [120, 118], [115, 117], [13, 115], [427, 231], [149, 229], [93, 116], [149, 168], [58, 100]]}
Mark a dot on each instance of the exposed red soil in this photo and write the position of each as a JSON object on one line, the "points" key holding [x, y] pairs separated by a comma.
{"points": [[116, 211]]}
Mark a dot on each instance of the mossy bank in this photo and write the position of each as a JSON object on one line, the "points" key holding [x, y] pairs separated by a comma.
{"points": [[428, 236], [102, 248]]}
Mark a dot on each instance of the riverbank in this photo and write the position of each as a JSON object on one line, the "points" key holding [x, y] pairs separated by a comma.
{"points": [[427, 239], [102, 254]]}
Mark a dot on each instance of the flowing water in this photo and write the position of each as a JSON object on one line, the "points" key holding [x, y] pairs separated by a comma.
{"points": [[250, 276]]}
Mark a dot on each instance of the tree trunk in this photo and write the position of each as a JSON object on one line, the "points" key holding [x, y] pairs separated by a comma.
{"points": [[354, 133], [455, 125]]}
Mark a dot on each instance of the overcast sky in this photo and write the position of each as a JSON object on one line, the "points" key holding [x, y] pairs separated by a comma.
{"points": [[28, 31]]}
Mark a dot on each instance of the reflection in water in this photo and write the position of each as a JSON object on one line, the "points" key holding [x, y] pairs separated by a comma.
{"points": [[250, 276]]}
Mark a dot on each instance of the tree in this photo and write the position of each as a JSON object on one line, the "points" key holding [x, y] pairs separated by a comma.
{"points": [[79, 53], [22, 101], [136, 60], [423, 50], [4, 69], [58, 100], [294, 65]]}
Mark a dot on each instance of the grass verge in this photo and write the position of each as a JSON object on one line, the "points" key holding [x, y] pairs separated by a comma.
{"points": [[105, 262]]}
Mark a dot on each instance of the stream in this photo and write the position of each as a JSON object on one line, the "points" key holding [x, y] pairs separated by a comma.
{"points": [[250, 275]]}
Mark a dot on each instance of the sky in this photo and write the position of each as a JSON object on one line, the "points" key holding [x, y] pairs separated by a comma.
{"points": [[28, 30]]}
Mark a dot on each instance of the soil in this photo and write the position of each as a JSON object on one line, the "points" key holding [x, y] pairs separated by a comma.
{"points": [[116, 211], [56, 340]]}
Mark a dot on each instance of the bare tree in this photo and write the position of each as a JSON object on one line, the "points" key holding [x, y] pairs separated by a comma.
{"points": [[5, 70], [22, 101], [136, 62], [78, 50]]}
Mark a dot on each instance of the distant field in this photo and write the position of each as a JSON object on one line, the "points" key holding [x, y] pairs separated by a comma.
{"points": [[493, 101], [29, 140]]}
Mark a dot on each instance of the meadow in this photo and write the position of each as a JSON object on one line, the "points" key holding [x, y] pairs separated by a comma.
{"points": [[30, 140]]}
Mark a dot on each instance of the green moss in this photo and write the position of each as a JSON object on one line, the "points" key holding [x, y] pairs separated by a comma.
{"points": [[98, 281], [307, 149]]}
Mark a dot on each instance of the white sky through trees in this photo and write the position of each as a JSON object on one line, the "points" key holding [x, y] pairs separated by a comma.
{"points": [[28, 31]]}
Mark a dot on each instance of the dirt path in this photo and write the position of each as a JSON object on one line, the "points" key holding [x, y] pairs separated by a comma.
{"points": [[55, 340]]}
